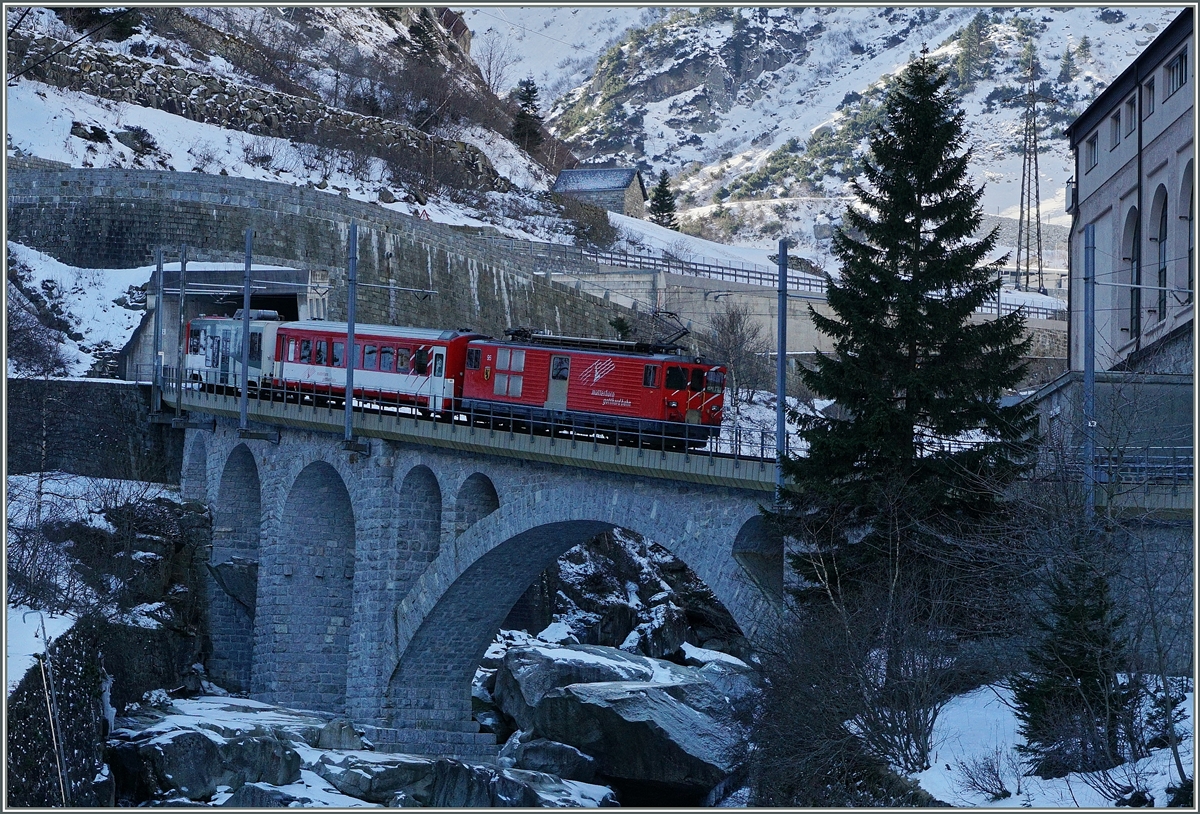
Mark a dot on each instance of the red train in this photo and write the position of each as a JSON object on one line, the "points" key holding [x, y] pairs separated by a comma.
{"points": [[587, 384]]}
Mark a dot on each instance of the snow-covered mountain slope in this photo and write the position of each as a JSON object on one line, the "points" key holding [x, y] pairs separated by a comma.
{"points": [[728, 100]]}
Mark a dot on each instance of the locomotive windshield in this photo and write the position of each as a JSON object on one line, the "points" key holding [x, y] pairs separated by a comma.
{"points": [[716, 381], [676, 378], [697, 383]]}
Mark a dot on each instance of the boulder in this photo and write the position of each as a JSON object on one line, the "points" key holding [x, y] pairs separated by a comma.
{"points": [[263, 795], [339, 734], [528, 673], [673, 736], [552, 757], [461, 785], [377, 778], [194, 763]]}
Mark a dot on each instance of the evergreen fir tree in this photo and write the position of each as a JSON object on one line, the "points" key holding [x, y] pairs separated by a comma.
{"points": [[1084, 51], [974, 51], [1072, 704], [662, 203], [527, 123], [910, 372], [1067, 69]]}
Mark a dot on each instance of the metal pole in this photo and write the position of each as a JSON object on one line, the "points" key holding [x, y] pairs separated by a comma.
{"points": [[781, 371], [352, 280], [156, 390], [183, 338], [1089, 368], [243, 401]]}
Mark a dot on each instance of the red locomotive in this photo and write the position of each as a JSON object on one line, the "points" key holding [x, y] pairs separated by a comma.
{"points": [[548, 382]]}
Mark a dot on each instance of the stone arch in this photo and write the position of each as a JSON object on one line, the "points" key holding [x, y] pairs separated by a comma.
{"points": [[452, 612], [419, 516], [1129, 299], [193, 484], [233, 565], [303, 645], [1154, 302], [477, 498], [1184, 243]]}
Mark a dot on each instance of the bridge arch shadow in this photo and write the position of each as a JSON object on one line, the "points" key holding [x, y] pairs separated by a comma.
{"points": [[302, 649], [477, 498], [452, 613], [419, 515], [233, 565]]}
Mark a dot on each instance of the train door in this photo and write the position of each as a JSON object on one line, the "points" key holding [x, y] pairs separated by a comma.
{"points": [[223, 351], [437, 379], [560, 374]]}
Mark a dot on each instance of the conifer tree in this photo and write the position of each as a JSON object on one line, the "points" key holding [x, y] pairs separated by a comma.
{"points": [[662, 203], [1072, 704], [1067, 69], [1084, 51], [527, 123], [911, 373]]}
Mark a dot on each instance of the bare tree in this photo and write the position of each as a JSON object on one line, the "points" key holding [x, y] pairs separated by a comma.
{"points": [[494, 55], [735, 340]]}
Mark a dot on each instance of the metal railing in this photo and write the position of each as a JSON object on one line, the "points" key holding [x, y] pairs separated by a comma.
{"points": [[1146, 465], [733, 271], [738, 443]]}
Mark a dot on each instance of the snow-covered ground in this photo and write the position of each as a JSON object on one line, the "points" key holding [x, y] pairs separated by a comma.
{"points": [[981, 726], [23, 638]]}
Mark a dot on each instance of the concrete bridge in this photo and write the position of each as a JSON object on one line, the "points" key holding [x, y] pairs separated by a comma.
{"points": [[371, 583]]}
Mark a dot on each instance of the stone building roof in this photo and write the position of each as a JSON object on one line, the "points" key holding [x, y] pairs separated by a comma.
{"points": [[598, 180]]}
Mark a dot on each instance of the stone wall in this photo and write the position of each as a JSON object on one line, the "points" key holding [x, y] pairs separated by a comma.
{"points": [[98, 428], [115, 219], [218, 101]]}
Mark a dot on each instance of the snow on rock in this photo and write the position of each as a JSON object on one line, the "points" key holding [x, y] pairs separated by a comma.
{"points": [[698, 657], [23, 639], [558, 633]]}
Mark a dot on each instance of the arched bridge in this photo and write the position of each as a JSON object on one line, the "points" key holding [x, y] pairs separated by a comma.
{"points": [[371, 583]]}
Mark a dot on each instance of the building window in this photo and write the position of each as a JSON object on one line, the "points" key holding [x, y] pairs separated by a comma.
{"points": [[1162, 263], [1115, 130], [1093, 152], [1130, 114], [1176, 73], [1148, 98]]}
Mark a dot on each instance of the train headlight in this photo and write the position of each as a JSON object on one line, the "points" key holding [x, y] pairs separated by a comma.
{"points": [[672, 404]]}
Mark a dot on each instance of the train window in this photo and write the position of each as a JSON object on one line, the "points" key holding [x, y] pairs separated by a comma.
{"points": [[518, 361], [439, 365], [194, 341], [697, 383], [474, 356], [650, 376], [386, 356], [676, 378], [256, 347], [322, 352], [503, 357], [291, 351], [421, 361], [305, 351], [716, 381], [339, 354], [560, 368], [369, 359], [402, 360], [500, 388], [514, 386]]}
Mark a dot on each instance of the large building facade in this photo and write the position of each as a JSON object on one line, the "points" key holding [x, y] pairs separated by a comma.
{"points": [[1134, 169]]}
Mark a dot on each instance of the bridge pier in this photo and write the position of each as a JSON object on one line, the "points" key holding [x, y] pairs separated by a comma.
{"points": [[378, 580]]}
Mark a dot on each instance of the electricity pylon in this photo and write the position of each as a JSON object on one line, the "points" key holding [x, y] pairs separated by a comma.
{"points": [[1029, 222]]}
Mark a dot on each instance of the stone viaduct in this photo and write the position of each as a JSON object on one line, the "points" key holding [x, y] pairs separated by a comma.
{"points": [[371, 585]]}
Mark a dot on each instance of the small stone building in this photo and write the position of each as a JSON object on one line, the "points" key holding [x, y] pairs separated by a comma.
{"points": [[617, 190]]}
